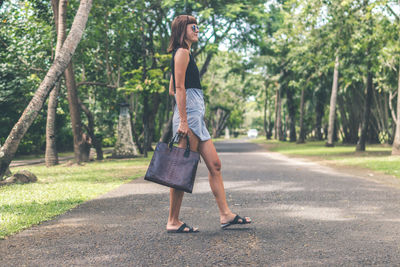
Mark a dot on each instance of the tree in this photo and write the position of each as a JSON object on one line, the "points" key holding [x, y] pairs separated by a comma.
{"points": [[370, 55], [332, 106], [60, 16], [7, 151], [396, 141], [226, 87]]}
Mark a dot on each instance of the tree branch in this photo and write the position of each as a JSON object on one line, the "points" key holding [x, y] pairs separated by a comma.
{"points": [[393, 13], [204, 46], [391, 96]]}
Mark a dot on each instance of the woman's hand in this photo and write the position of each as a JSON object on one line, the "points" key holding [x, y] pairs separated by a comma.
{"points": [[183, 128]]}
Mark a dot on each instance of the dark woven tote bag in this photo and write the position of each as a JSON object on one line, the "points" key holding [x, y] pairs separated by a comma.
{"points": [[173, 166]]}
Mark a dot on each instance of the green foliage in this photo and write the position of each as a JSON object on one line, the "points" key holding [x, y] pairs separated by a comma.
{"points": [[227, 87], [109, 141], [154, 81], [257, 123], [236, 119]]}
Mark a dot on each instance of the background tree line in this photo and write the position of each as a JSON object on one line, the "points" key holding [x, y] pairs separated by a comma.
{"points": [[331, 71]]}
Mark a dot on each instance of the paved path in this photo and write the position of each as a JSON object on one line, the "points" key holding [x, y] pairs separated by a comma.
{"points": [[304, 215]]}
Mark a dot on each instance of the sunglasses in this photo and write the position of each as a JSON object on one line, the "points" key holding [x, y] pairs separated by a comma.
{"points": [[195, 28]]}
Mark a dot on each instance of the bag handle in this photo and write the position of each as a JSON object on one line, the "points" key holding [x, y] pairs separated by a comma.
{"points": [[173, 140]]}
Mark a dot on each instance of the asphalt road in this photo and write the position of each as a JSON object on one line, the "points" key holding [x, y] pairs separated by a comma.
{"points": [[303, 215]]}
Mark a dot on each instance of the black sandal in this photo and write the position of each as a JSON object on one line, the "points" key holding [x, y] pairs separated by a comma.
{"points": [[235, 221], [181, 230]]}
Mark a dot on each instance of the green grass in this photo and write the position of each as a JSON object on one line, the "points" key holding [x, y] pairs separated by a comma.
{"points": [[61, 188], [376, 157]]}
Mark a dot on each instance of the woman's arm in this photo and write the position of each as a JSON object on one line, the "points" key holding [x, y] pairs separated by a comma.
{"points": [[181, 63], [171, 86]]}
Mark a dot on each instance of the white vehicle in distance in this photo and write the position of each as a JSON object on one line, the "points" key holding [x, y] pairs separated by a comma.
{"points": [[252, 133]]}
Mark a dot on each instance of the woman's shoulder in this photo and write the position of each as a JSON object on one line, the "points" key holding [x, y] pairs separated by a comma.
{"points": [[182, 54], [181, 50]]}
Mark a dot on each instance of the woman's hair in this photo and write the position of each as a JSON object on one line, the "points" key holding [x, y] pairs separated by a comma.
{"points": [[178, 32]]}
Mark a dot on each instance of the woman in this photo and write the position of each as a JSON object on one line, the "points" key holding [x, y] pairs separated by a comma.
{"points": [[189, 120]]}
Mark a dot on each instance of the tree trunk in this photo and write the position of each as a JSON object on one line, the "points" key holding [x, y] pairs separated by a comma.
{"points": [[51, 155], [167, 131], [292, 115], [396, 141], [7, 172], [302, 136], [9, 148], [167, 128], [60, 15], [145, 94], [332, 108], [386, 116], [81, 144], [265, 110], [367, 111], [277, 107], [207, 62], [369, 94], [134, 111], [152, 119], [279, 130], [270, 125], [219, 122], [90, 129], [319, 110], [145, 123], [344, 120]]}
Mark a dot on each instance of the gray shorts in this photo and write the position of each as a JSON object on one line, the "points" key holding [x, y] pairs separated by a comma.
{"points": [[195, 111]]}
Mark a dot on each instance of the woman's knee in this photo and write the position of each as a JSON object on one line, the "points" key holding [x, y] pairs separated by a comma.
{"points": [[216, 167]]}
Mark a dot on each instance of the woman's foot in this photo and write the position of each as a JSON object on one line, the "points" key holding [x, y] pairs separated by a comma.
{"points": [[233, 219], [181, 227]]}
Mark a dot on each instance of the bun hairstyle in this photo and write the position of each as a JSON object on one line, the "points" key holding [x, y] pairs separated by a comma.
{"points": [[178, 32]]}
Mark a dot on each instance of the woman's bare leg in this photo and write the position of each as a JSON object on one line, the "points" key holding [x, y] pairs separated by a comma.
{"points": [[176, 195], [210, 157]]}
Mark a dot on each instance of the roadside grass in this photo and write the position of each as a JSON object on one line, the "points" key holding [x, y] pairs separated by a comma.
{"points": [[376, 157], [60, 189]]}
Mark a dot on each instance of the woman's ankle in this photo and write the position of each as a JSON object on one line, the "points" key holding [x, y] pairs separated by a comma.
{"points": [[225, 213], [173, 222]]}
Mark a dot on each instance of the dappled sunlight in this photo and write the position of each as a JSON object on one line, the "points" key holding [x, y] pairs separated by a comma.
{"points": [[255, 185], [313, 213], [142, 187], [66, 222], [300, 164], [324, 213]]}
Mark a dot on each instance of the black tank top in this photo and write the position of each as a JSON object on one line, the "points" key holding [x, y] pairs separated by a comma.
{"points": [[192, 75]]}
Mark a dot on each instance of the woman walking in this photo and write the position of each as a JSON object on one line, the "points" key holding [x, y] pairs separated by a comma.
{"points": [[188, 120]]}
